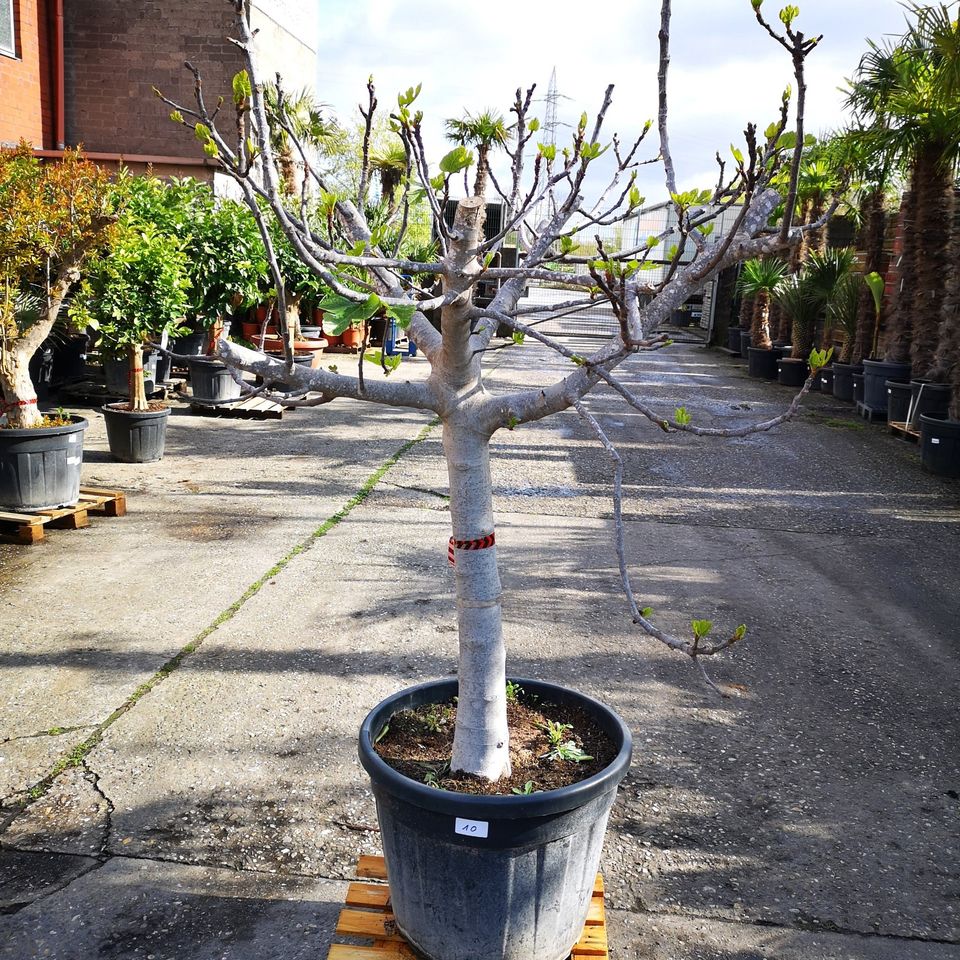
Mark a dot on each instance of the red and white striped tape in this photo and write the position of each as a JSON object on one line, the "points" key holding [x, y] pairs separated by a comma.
{"points": [[481, 543]]}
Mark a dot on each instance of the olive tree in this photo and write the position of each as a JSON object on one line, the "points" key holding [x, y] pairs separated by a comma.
{"points": [[546, 207]]}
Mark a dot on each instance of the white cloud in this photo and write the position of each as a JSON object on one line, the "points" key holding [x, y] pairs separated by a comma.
{"points": [[724, 70]]}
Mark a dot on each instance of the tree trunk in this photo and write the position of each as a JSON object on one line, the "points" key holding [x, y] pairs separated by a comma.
{"points": [[19, 397], [899, 331], [746, 312], [874, 219], [293, 315], [481, 739], [948, 349], [761, 320], [930, 243], [480, 183], [138, 393]]}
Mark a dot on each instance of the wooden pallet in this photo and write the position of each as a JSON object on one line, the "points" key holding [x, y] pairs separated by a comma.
{"points": [[905, 431], [28, 528], [367, 914], [255, 408]]}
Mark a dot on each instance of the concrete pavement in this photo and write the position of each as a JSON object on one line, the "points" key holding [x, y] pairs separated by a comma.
{"points": [[218, 811]]}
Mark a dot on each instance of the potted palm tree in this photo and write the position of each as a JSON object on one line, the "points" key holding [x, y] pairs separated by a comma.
{"points": [[135, 292], [909, 93], [54, 218], [758, 280]]}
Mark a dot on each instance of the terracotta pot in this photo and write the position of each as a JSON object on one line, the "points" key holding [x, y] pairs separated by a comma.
{"points": [[251, 331], [352, 337]]}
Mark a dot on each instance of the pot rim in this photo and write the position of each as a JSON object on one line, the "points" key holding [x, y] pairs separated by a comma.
{"points": [[512, 807], [78, 423], [112, 408]]}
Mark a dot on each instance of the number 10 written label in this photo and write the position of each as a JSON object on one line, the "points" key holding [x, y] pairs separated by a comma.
{"points": [[472, 828]]}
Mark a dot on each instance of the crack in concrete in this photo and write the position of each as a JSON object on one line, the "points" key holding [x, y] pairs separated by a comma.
{"points": [[78, 755], [52, 732], [91, 776], [15, 907]]}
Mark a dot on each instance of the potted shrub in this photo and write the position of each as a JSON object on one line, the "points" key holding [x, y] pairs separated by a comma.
{"points": [[456, 842], [135, 292], [52, 219]]}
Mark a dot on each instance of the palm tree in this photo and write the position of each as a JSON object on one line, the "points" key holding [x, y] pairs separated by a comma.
{"points": [[305, 117], [758, 280], [485, 131], [799, 303], [844, 311], [909, 93], [390, 164]]}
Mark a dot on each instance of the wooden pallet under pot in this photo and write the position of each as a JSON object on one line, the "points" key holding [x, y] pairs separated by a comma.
{"points": [[366, 914], [28, 528]]}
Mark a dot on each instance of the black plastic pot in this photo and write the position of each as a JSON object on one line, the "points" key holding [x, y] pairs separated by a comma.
{"points": [[135, 436], [211, 382], [192, 345], [843, 380], [793, 373], [940, 446], [898, 401], [928, 399], [40, 468], [762, 363], [116, 374], [876, 373], [493, 877], [733, 339], [300, 359], [857, 387], [745, 341], [826, 380]]}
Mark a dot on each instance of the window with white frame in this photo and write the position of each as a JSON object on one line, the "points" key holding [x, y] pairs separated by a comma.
{"points": [[7, 40]]}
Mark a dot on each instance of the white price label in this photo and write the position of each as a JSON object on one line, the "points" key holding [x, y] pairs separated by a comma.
{"points": [[934, 439], [472, 828]]}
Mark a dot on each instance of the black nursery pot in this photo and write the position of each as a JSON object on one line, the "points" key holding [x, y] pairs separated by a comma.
{"points": [[733, 339], [876, 373], [506, 877], [843, 380], [793, 373], [745, 343], [857, 387], [211, 382], [762, 363], [940, 446], [40, 468], [826, 380], [135, 436]]}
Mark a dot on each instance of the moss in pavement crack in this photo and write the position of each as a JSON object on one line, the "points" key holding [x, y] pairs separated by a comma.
{"points": [[76, 757]]}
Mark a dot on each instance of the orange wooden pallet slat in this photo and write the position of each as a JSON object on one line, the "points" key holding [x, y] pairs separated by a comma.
{"points": [[367, 914], [373, 868], [372, 896]]}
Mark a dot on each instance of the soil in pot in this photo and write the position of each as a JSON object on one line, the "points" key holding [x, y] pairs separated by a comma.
{"points": [[419, 744], [136, 436]]}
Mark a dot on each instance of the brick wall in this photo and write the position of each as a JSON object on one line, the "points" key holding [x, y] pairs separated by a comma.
{"points": [[26, 104], [117, 50]]}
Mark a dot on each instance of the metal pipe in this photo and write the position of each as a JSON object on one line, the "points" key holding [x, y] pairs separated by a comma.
{"points": [[59, 68]]}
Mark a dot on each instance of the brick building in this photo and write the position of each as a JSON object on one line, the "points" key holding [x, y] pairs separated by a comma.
{"points": [[82, 71]]}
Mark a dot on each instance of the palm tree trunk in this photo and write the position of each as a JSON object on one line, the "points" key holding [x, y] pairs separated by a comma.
{"points": [[948, 349], [899, 330], [931, 241], [874, 219], [761, 321]]}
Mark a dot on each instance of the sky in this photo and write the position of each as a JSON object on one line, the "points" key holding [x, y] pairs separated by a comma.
{"points": [[724, 72]]}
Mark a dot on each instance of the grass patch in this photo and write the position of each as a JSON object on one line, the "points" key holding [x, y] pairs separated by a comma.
{"points": [[840, 424]]}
